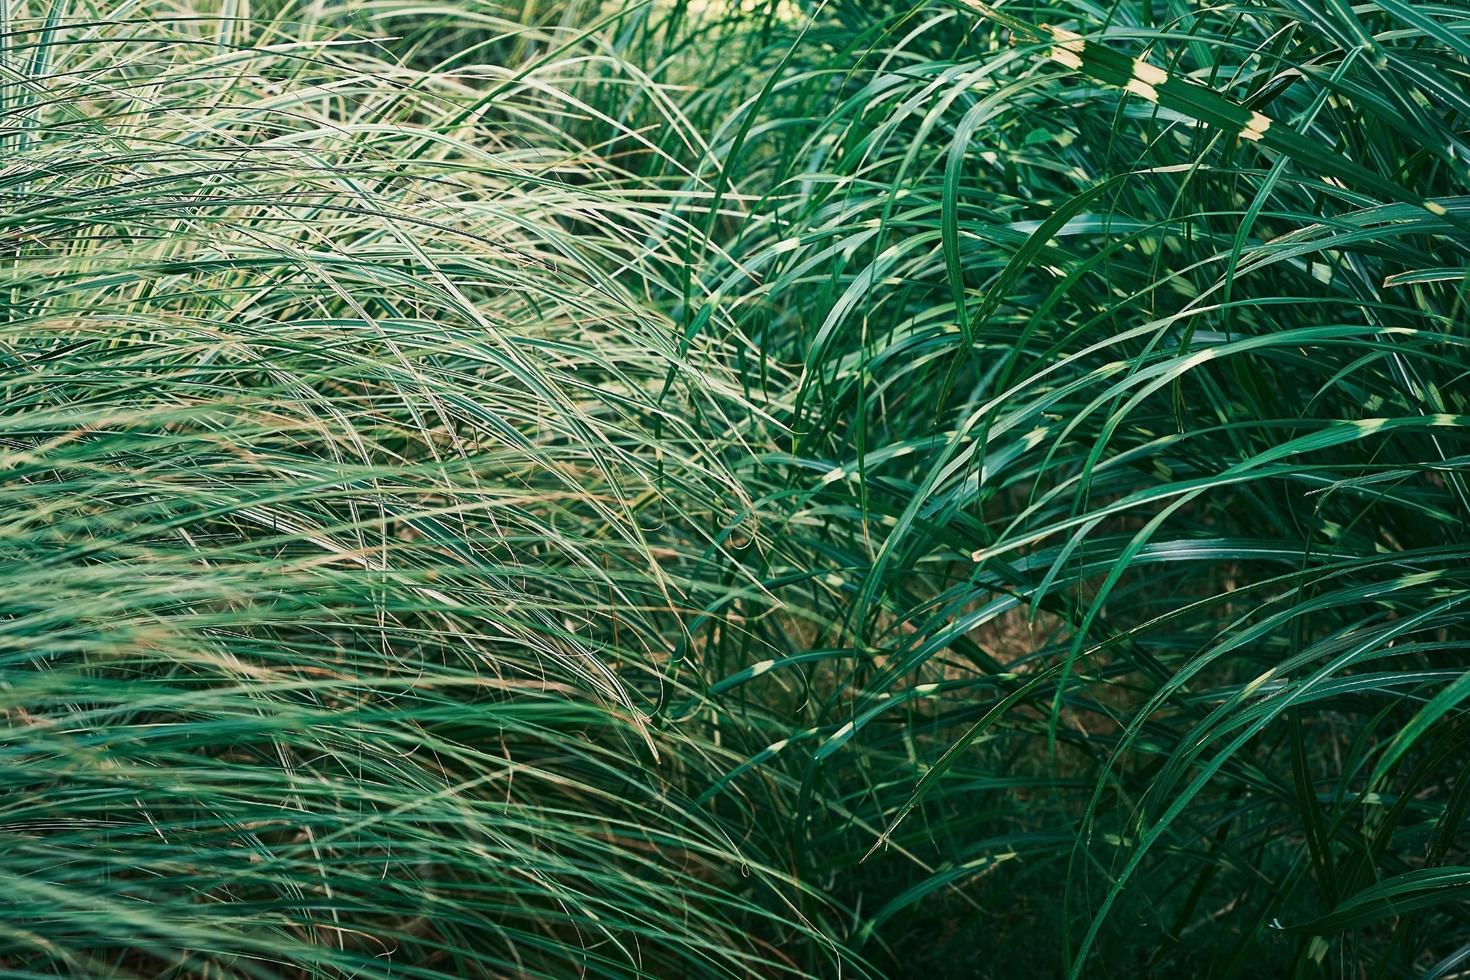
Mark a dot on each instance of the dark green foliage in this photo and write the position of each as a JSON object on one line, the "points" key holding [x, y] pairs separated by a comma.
{"points": [[715, 489]]}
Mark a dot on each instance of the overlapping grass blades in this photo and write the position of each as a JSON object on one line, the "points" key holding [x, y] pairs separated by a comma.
{"points": [[1134, 421], [355, 494], [667, 488]]}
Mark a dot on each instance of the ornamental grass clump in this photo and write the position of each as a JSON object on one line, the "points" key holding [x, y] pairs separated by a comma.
{"points": [[658, 488]]}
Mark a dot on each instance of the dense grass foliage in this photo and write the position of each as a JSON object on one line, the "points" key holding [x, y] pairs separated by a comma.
{"points": [[354, 495], [668, 488]]}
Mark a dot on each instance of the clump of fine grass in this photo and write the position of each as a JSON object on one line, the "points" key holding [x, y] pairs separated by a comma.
{"points": [[354, 494]]}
